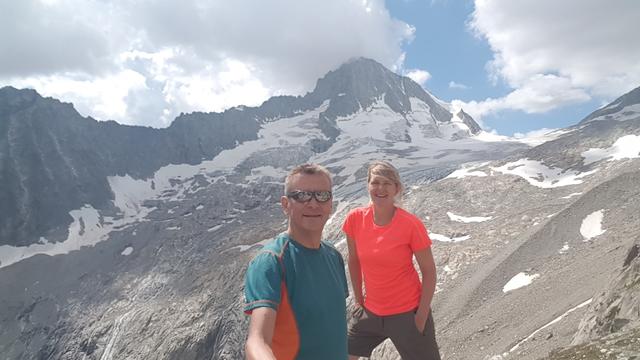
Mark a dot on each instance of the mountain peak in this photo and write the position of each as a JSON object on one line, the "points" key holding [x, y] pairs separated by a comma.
{"points": [[361, 82], [474, 128], [360, 77]]}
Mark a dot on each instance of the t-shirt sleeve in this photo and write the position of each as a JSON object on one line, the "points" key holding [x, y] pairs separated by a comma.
{"points": [[419, 237], [347, 226], [262, 283]]}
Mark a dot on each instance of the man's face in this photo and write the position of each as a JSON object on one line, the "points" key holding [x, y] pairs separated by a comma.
{"points": [[308, 216]]}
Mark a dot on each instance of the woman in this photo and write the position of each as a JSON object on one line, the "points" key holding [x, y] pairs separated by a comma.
{"points": [[395, 304]]}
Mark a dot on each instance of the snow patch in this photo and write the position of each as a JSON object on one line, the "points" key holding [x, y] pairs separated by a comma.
{"points": [[572, 195], [468, 170], [455, 128], [592, 225], [87, 229], [458, 218], [626, 147], [443, 238], [564, 249], [537, 174], [518, 281], [127, 251]]}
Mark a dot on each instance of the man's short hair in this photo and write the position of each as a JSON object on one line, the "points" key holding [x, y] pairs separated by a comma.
{"points": [[305, 169]]}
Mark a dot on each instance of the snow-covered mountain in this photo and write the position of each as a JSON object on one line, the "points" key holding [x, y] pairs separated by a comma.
{"points": [[154, 227], [55, 161]]}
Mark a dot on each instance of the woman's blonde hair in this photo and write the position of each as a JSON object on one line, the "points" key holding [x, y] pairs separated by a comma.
{"points": [[385, 169]]}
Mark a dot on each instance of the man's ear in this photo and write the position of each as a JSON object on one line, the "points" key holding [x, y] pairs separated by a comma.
{"points": [[284, 201]]}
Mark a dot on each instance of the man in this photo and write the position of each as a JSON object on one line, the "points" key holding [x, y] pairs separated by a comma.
{"points": [[295, 288]]}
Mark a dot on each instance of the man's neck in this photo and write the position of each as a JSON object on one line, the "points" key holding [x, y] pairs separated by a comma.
{"points": [[306, 239]]}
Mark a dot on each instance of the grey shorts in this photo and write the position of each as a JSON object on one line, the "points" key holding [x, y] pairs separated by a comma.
{"points": [[367, 330]]}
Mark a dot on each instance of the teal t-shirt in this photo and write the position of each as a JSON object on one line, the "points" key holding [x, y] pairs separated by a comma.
{"points": [[315, 287]]}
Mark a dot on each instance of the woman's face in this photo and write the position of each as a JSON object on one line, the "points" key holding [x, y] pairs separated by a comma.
{"points": [[382, 190]]}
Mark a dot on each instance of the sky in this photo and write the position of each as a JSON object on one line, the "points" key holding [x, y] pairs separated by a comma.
{"points": [[516, 66]]}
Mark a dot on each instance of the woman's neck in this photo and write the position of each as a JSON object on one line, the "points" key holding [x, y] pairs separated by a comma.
{"points": [[383, 215]]}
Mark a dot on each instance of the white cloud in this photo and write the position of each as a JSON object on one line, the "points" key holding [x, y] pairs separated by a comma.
{"points": [[419, 76], [557, 53], [539, 94], [192, 55], [455, 85], [102, 97]]}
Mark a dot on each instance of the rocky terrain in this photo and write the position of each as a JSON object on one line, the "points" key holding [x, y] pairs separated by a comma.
{"points": [[610, 328]]}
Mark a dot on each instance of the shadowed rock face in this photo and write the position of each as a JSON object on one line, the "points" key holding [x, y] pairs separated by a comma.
{"points": [[620, 345], [53, 160], [618, 308], [611, 327]]}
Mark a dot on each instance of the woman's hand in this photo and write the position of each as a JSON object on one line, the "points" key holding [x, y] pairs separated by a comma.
{"points": [[421, 321]]}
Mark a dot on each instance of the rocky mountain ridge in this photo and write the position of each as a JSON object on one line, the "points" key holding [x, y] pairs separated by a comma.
{"points": [[54, 160]]}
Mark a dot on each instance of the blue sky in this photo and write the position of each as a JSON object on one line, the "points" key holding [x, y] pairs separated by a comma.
{"points": [[515, 66], [447, 47]]}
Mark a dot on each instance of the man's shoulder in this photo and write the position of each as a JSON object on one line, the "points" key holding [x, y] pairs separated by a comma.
{"points": [[277, 246], [330, 248], [271, 253]]}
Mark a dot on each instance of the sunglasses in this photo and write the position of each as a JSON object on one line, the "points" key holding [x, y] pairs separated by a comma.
{"points": [[305, 196]]}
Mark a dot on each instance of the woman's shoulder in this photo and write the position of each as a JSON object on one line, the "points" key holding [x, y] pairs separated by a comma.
{"points": [[408, 217]]}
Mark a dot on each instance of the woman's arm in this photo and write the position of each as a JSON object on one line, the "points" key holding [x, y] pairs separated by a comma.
{"points": [[428, 270], [355, 272]]}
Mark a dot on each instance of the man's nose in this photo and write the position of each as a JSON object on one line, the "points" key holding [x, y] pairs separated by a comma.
{"points": [[313, 202]]}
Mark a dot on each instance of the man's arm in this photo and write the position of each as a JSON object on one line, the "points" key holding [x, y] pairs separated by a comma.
{"points": [[261, 327]]}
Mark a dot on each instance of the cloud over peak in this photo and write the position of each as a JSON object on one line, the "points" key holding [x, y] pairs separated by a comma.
{"points": [[170, 57]]}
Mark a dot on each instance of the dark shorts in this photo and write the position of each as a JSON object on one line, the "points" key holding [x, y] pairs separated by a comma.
{"points": [[367, 330]]}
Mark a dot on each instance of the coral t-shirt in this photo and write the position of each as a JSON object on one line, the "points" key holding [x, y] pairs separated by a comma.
{"points": [[391, 282]]}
